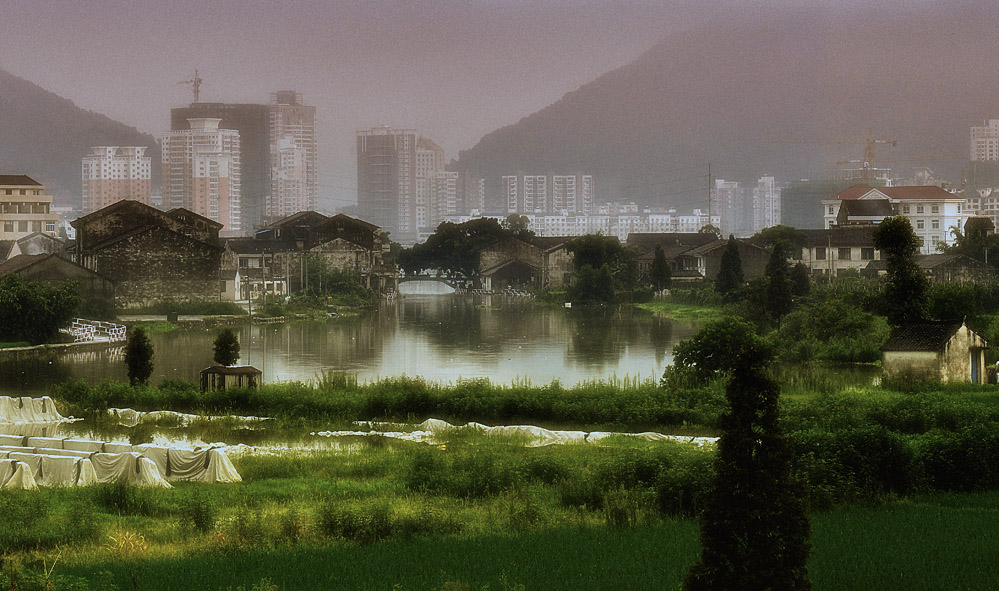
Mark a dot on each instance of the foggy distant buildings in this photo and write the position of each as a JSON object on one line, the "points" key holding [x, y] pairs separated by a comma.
{"points": [[294, 185], [403, 187], [114, 173], [766, 204], [278, 154], [566, 194], [202, 173], [985, 142]]}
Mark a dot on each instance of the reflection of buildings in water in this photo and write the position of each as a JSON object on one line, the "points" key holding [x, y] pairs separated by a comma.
{"points": [[661, 337]]}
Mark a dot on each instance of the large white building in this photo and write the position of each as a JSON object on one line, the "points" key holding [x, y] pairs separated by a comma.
{"points": [[293, 159], [932, 210], [113, 173], [201, 171]]}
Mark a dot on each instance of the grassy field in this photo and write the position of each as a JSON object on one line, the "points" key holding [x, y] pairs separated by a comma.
{"points": [[677, 311], [944, 542]]}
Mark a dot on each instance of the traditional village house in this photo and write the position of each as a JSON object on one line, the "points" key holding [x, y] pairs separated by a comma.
{"points": [[941, 268], [706, 260], [151, 255], [220, 377], [510, 263], [275, 259], [828, 252], [936, 351], [96, 291]]}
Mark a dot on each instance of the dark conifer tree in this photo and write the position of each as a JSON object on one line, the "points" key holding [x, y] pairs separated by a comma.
{"points": [[730, 269], [754, 527], [226, 348], [906, 288], [779, 295], [660, 273], [138, 356], [801, 283]]}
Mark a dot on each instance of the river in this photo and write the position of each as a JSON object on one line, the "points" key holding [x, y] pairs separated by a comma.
{"points": [[441, 338]]}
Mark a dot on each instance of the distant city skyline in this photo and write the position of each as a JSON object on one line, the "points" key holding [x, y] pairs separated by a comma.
{"points": [[454, 69]]}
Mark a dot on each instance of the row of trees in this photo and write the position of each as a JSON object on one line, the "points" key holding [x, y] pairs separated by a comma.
{"points": [[139, 353], [34, 312]]}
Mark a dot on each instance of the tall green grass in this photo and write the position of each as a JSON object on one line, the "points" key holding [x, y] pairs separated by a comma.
{"points": [[930, 543]]}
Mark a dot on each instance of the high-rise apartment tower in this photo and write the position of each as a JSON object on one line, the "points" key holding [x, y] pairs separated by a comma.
{"points": [[114, 173], [201, 171]]}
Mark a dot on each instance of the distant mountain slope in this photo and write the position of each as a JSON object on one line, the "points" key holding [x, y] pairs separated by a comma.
{"points": [[44, 136], [722, 94]]}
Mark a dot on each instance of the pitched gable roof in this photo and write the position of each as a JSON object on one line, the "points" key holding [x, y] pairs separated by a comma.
{"points": [[649, 240], [307, 217], [19, 262], [183, 214], [840, 236], [852, 192], [124, 203], [929, 192], [5, 247], [922, 336], [18, 180]]}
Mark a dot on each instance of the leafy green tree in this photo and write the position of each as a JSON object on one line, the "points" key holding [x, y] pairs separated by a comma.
{"points": [[324, 280], [138, 356], [779, 296], [707, 353], [794, 238], [226, 348], [904, 293], [660, 273], [33, 311], [592, 286], [730, 269], [596, 250], [976, 245], [754, 526], [454, 248], [801, 283], [519, 225], [710, 229]]}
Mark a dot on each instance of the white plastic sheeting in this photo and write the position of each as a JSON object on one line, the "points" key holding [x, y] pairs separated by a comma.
{"points": [[16, 475], [129, 467], [51, 470], [432, 431], [28, 410], [128, 417]]}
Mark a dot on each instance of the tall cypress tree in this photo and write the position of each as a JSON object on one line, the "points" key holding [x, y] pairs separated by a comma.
{"points": [[754, 527], [779, 295], [906, 288], [138, 356], [226, 348], [730, 268], [660, 273]]}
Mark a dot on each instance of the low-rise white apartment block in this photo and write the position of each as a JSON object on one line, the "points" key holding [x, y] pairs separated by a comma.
{"points": [[25, 208]]}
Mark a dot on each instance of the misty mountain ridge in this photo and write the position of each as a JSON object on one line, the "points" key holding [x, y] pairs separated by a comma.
{"points": [[45, 137], [751, 99]]}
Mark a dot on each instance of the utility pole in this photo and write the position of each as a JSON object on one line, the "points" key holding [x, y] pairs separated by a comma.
{"points": [[709, 193]]}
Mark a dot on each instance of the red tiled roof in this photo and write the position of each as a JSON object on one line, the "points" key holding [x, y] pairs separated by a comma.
{"points": [[19, 262], [917, 193], [854, 192]]}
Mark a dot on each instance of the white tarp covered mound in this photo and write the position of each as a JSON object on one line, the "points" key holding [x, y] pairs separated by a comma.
{"points": [[128, 417], [16, 475], [432, 430], [144, 465], [28, 410]]}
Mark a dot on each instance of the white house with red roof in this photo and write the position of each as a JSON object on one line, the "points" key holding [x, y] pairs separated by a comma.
{"points": [[932, 211]]}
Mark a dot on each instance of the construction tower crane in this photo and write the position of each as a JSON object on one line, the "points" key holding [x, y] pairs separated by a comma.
{"points": [[870, 150], [194, 83]]}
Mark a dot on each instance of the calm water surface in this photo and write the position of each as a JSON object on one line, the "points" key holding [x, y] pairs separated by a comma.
{"points": [[440, 338]]}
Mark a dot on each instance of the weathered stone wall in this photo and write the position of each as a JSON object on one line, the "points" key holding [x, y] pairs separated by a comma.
{"points": [[558, 267], [159, 265], [915, 365], [956, 362], [97, 292], [114, 222]]}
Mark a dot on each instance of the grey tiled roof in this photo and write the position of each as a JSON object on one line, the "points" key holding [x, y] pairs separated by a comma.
{"points": [[922, 336]]}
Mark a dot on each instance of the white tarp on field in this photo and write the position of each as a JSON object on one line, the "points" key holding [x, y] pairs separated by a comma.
{"points": [[436, 430], [49, 470], [16, 475], [128, 417], [28, 410], [128, 467]]}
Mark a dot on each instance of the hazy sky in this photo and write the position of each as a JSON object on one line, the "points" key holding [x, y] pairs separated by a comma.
{"points": [[453, 69]]}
